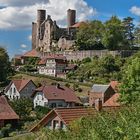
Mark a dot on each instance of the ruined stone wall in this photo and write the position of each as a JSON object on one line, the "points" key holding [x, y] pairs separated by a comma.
{"points": [[79, 55]]}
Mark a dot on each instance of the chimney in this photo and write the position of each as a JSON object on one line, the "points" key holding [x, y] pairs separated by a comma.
{"points": [[98, 104], [57, 85]]}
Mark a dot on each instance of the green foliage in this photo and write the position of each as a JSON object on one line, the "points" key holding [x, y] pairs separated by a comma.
{"points": [[89, 36], [23, 107], [41, 111], [137, 37], [5, 68], [67, 85], [128, 27], [130, 88], [4, 132], [113, 35], [99, 70], [119, 124]]}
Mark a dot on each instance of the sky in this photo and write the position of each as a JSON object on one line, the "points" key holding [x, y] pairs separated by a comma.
{"points": [[16, 17]]}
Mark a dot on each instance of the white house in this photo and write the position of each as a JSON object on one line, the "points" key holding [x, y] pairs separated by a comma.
{"points": [[55, 96], [53, 65], [20, 88]]}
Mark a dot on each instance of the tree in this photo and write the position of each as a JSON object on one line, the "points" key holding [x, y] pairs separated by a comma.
{"points": [[4, 65], [113, 35], [89, 36], [130, 88], [128, 27], [137, 36], [22, 107]]}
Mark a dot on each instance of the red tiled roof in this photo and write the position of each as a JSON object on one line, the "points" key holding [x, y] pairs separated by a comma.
{"points": [[53, 92], [67, 115], [6, 112], [19, 84], [112, 101], [78, 24], [32, 53]]}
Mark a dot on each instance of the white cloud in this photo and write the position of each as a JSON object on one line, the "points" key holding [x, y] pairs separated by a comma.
{"points": [[30, 37], [20, 2], [135, 10], [19, 15], [23, 46]]}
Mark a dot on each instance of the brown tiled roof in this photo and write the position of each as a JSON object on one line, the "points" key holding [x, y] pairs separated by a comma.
{"points": [[32, 53], [53, 92], [112, 101], [78, 24], [70, 114], [67, 115], [6, 112], [19, 84]]}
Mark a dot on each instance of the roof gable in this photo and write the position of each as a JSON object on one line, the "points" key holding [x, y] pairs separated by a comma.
{"points": [[112, 101], [19, 84], [67, 115]]}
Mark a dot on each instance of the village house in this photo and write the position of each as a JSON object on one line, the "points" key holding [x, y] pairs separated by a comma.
{"points": [[53, 65], [7, 114], [19, 89], [113, 100], [61, 118], [107, 93], [28, 55], [55, 96], [104, 92]]}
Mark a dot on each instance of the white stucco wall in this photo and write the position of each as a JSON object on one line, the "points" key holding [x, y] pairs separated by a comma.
{"points": [[12, 93], [40, 100]]}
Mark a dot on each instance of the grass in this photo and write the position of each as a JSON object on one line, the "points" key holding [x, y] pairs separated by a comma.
{"points": [[48, 80]]}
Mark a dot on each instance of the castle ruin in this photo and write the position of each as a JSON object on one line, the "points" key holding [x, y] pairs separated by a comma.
{"points": [[48, 36]]}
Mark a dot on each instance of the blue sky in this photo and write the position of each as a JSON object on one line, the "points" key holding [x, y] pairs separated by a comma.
{"points": [[16, 18]]}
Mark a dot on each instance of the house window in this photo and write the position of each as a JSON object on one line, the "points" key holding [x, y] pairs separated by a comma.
{"points": [[38, 97], [42, 98], [14, 90], [10, 90], [61, 125], [53, 105], [56, 124]]}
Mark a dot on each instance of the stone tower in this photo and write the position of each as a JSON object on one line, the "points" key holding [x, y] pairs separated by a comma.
{"points": [[41, 17], [71, 17]]}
